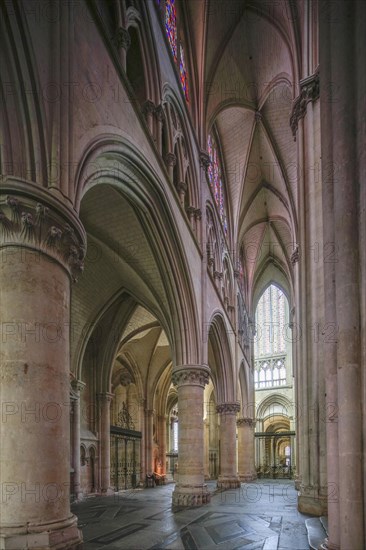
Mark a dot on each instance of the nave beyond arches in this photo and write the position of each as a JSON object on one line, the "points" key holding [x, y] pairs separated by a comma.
{"points": [[163, 166]]}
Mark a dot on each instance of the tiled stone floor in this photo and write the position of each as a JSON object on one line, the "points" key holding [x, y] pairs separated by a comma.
{"points": [[259, 515]]}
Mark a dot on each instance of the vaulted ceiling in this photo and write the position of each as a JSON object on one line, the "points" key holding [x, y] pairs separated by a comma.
{"points": [[248, 57]]}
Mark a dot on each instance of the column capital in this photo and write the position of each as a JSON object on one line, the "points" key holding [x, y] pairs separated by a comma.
{"points": [[182, 187], [228, 408], [205, 159], [159, 113], [32, 218], [191, 375], [250, 422], [148, 107], [309, 91], [149, 412], [78, 385], [105, 397], [122, 38], [170, 159]]}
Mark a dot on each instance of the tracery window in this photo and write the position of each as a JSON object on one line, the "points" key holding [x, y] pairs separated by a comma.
{"points": [[168, 11], [216, 180], [270, 345], [270, 322]]}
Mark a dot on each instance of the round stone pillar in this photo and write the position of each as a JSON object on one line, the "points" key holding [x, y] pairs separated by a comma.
{"points": [[162, 419], [228, 477], [77, 387], [246, 469], [190, 490], [149, 442], [42, 249], [105, 442]]}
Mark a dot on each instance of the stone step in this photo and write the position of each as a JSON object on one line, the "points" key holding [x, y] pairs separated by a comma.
{"points": [[316, 532]]}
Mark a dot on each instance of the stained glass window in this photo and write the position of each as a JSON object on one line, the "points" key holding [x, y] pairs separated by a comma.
{"points": [[171, 26], [215, 179], [183, 72]]}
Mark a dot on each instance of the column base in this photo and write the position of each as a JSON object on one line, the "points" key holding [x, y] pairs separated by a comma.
{"points": [[244, 478], [226, 482], [50, 536], [310, 505], [190, 495]]}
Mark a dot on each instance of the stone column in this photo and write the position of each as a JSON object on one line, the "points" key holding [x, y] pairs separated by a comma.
{"points": [[246, 470], [42, 248], [148, 110], [206, 423], [162, 442], [170, 161], [159, 115], [149, 430], [143, 439], [228, 477], [190, 489], [77, 387], [122, 41], [341, 45], [105, 441]]}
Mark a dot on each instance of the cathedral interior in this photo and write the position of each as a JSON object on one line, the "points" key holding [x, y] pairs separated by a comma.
{"points": [[183, 279]]}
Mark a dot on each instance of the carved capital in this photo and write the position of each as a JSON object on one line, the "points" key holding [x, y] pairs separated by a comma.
{"points": [[198, 213], [105, 398], [170, 159], [159, 113], [309, 91], [148, 108], [191, 375], [78, 385], [246, 422], [182, 187], [228, 408], [122, 38], [30, 217], [218, 275], [205, 159]]}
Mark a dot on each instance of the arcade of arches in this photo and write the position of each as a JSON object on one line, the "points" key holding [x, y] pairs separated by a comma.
{"points": [[183, 260]]}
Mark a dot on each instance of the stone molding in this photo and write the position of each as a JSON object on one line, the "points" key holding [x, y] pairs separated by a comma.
{"points": [[191, 375], [228, 408], [30, 217], [309, 91]]}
